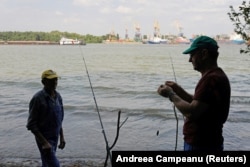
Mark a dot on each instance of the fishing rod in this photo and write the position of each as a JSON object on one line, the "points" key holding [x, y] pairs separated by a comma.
{"points": [[108, 149], [175, 113]]}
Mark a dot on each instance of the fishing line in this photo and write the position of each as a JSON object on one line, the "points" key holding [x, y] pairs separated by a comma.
{"points": [[175, 113]]}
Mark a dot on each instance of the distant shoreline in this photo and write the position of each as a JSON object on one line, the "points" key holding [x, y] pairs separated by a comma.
{"points": [[28, 43], [105, 42]]}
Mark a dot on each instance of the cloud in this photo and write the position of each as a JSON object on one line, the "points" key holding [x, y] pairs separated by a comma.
{"points": [[105, 10], [86, 16], [58, 13], [100, 3], [217, 2], [71, 20], [123, 9], [85, 2]]}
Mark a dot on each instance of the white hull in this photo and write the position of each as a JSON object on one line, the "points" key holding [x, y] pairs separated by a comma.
{"points": [[157, 40], [236, 39], [66, 41]]}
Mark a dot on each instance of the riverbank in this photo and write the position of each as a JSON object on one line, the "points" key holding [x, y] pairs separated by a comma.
{"points": [[17, 162]]}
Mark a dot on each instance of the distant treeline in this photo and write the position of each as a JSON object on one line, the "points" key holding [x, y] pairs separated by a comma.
{"points": [[53, 36]]}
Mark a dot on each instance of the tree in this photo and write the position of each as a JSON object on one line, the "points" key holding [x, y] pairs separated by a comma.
{"points": [[241, 20], [53, 36]]}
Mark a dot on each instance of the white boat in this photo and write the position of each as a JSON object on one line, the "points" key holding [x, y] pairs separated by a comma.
{"points": [[236, 39], [154, 40], [67, 41], [157, 40]]}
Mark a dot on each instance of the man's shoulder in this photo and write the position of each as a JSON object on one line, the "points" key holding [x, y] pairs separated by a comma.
{"points": [[39, 94]]}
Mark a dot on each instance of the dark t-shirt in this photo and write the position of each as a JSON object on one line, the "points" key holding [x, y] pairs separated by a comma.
{"points": [[214, 90]]}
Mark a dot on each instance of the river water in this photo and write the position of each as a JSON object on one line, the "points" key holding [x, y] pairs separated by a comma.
{"points": [[124, 77]]}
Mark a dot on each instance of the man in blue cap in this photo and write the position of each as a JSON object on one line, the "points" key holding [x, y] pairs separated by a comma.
{"points": [[207, 110], [45, 119]]}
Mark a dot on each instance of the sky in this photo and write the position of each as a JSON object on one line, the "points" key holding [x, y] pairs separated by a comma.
{"points": [[100, 17]]}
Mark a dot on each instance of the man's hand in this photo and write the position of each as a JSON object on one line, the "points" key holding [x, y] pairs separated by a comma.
{"points": [[165, 90], [176, 88], [62, 144], [47, 148]]}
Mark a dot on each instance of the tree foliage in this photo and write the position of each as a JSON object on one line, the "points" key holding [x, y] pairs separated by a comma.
{"points": [[241, 20], [53, 36]]}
